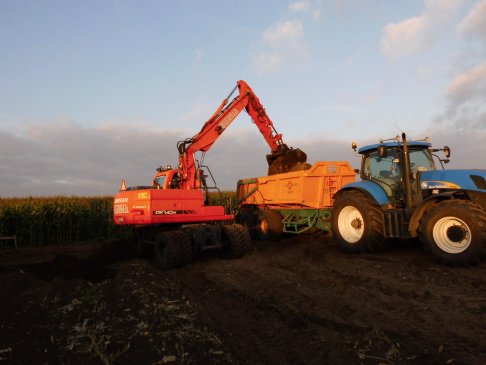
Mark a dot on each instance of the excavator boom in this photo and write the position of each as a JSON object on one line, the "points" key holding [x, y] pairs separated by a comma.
{"points": [[281, 159]]}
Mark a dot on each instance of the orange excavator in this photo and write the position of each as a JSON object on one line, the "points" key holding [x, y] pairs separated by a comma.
{"points": [[173, 214]]}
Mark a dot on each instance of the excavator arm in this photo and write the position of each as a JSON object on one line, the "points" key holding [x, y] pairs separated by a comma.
{"points": [[281, 159]]}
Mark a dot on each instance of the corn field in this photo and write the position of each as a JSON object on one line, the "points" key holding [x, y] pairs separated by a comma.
{"points": [[227, 199], [58, 220], [61, 220]]}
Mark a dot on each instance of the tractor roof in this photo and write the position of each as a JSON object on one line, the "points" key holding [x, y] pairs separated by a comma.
{"points": [[375, 146]]}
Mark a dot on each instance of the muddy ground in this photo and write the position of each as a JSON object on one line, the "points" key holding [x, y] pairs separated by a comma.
{"points": [[299, 301]]}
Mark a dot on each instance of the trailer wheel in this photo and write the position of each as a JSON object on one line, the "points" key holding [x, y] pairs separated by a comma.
{"points": [[171, 249], [270, 226], [454, 232], [357, 223], [236, 241]]}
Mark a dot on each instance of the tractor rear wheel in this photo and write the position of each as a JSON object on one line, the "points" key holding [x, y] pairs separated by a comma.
{"points": [[236, 241], [454, 232], [172, 249], [357, 223], [270, 225]]}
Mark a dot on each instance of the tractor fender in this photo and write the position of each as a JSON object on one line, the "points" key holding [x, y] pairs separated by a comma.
{"points": [[370, 189], [428, 203]]}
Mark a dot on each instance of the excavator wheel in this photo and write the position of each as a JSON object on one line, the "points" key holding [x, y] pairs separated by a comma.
{"points": [[237, 241], [287, 160], [140, 247], [249, 218], [173, 249]]}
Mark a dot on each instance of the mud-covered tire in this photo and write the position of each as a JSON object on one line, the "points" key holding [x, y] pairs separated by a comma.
{"points": [[236, 241], [187, 250], [454, 232], [248, 218], [270, 225], [172, 249], [357, 223], [140, 247]]}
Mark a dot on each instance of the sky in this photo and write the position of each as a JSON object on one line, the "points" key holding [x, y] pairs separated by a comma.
{"points": [[93, 92]]}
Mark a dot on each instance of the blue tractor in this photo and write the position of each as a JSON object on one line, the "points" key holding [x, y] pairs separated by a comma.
{"points": [[403, 195]]}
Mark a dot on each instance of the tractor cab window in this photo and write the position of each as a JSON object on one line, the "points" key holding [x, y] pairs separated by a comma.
{"points": [[159, 182], [385, 169], [421, 160]]}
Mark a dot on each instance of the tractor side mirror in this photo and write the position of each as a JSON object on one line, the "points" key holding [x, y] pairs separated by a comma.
{"points": [[447, 151], [382, 151]]}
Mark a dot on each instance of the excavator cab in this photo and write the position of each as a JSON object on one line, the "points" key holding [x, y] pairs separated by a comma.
{"points": [[166, 178]]}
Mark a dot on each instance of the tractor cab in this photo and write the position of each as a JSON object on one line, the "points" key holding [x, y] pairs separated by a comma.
{"points": [[383, 164]]}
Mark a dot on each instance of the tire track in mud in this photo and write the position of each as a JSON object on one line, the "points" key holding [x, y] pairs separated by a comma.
{"points": [[302, 301]]}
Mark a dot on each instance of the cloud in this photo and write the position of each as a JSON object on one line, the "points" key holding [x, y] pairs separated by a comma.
{"points": [[465, 95], [416, 34], [474, 25], [466, 100], [462, 124], [68, 159], [467, 145], [65, 158], [312, 8], [468, 87], [280, 45]]}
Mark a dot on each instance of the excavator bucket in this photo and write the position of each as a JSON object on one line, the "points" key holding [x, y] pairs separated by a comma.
{"points": [[286, 160]]}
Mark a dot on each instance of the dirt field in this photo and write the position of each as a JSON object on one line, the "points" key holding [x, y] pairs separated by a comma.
{"points": [[299, 301]]}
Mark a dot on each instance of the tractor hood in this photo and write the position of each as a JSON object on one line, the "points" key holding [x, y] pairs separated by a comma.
{"points": [[474, 180]]}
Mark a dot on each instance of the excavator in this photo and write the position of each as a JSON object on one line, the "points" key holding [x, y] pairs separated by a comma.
{"points": [[173, 215]]}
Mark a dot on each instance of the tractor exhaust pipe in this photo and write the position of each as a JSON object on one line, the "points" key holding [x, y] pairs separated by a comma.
{"points": [[407, 185]]}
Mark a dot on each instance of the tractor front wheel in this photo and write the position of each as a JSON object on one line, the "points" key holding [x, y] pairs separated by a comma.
{"points": [[357, 223], [454, 232]]}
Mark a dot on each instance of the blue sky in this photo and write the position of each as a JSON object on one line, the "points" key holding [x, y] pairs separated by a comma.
{"points": [[95, 91]]}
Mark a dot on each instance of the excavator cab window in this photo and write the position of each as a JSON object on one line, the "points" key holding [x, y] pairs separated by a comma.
{"points": [[159, 182]]}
